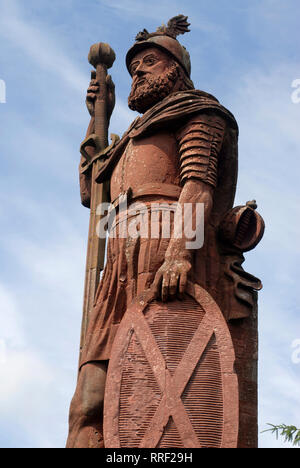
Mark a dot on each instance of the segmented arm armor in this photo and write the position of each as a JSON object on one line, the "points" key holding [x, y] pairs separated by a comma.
{"points": [[200, 142]]}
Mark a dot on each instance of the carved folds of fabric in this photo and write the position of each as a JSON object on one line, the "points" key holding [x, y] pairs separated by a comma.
{"points": [[200, 142], [242, 287]]}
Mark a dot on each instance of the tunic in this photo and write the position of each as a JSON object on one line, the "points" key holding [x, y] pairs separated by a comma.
{"points": [[153, 167]]}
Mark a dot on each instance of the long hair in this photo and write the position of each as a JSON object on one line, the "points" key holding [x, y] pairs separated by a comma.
{"points": [[187, 83]]}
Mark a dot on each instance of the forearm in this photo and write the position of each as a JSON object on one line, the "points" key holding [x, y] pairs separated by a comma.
{"points": [[85, 179], [187, 217], [85, 173]]}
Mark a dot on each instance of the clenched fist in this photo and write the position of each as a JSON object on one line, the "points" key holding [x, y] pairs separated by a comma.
{"points": [[93, 91]]}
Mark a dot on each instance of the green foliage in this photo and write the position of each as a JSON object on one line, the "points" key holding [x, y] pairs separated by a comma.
{"points": [[290, 433]]}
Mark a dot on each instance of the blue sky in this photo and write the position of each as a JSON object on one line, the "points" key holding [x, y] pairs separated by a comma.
{"points": [[246, 54]]}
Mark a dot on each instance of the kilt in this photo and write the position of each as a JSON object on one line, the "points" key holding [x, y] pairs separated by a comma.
{"points": [[131, 264]]}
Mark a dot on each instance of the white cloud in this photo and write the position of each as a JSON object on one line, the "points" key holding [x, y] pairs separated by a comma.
{"points": [[40, 324], [145, 10], [121, 118], [161, 12], [11, 330], [30, 388], [269, 166], [40, 47], [269, 151]]}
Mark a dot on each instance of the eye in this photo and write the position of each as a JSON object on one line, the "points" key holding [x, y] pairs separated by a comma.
{"points": [[150, 60], [133, 68]]}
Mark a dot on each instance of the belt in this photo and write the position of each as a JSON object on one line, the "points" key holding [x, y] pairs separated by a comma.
{"points": [[161, 190]]}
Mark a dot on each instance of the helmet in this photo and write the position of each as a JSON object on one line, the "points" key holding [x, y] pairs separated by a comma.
{"points": [[164, 39]]}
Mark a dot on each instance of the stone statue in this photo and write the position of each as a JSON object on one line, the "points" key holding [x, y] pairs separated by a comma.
{"points": [[162, 293]]}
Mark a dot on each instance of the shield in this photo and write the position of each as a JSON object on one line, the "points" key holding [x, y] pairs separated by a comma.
{"points": [[171, 379]]}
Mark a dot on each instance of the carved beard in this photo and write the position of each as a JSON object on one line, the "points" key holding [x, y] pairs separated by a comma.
{"points": [[153, 90]]}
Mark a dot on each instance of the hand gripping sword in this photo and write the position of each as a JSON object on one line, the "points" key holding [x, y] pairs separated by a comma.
{"points": [[102, 57]]}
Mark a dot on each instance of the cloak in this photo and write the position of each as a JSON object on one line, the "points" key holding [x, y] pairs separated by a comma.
{"points": [[175, 110]]}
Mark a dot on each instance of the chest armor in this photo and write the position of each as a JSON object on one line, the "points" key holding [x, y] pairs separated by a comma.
{"points": [[153, 159]]}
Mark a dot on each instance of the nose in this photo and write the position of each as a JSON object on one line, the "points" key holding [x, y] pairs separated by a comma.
{"points": [[139, 72], [140, 69]]}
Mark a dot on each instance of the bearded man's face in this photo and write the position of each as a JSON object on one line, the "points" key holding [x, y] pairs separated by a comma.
{"points": [[154, 76]]}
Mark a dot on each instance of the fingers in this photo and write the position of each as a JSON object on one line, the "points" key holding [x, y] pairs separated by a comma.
{"points": [[173, 284], [165, 288], [91, 97], [161, 285], [110, 83], [94, 84], [169, 285], [157, 283], [92, 90], [182, 285], [94, 87]]}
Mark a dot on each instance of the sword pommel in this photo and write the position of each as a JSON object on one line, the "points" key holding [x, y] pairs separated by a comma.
{"points": [[101, 53]]}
